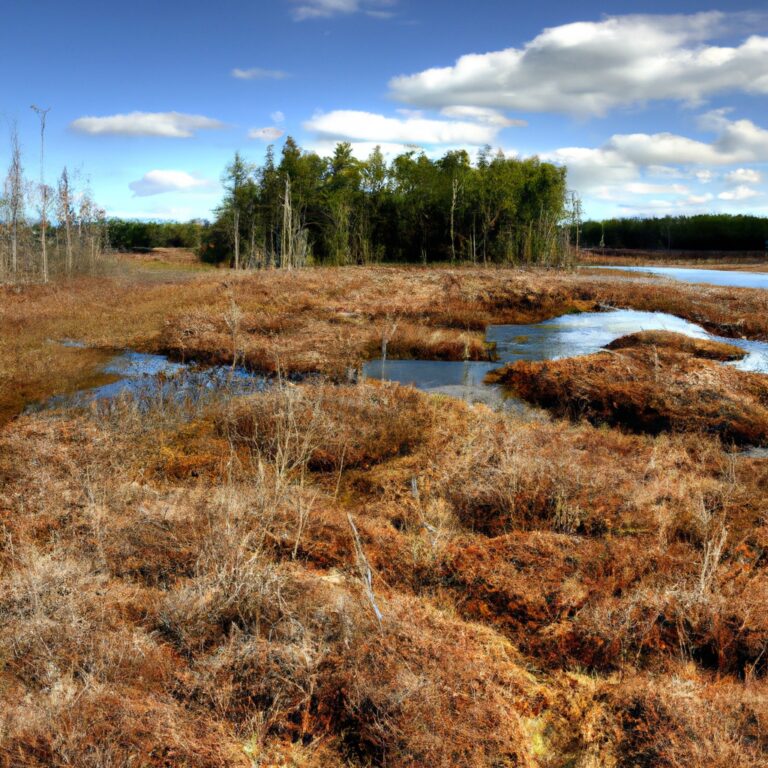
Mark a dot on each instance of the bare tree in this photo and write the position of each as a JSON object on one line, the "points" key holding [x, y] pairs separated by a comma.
{"points": [[576, 221], [65, 214], [456, 187], [91, 226], [14, 194], [43, 114], [286, 244]]}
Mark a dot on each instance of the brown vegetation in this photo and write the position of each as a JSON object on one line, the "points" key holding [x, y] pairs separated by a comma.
{"points": [[651, 382], [740, 260], [197, 585], [707, 349]]}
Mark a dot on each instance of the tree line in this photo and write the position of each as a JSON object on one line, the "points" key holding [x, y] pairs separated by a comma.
{"points": [[302, 208], [135, 235], [705, 232]]}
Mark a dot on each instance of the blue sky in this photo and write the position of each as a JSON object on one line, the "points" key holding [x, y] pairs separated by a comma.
{"points": [[661, 111]]}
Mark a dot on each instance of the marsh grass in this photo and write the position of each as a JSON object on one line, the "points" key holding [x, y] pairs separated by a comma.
{"points": [[179, 582]]}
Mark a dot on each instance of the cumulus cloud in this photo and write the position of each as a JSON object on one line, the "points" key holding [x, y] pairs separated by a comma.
{"points": [[257, 73], [159, 181], [351, 125], [622, 158], [593, 169], [323, 9], [588, 68], [482, 115], [741, 192], [277, 117], [738, 141], [175, 125], [744, 176], [656, 174], [270, 133]]}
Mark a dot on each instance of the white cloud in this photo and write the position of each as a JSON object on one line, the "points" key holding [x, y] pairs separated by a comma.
{"points": [[157, 182], [744, 176], [590, 169], [737, 141], [589, 68], [257, 73], [354, 125], [174, 125], [270, 133], [742, 192], [321, 9], [681, 205], [362, 149], [623, 156], [482, 115], [628, 169], [277, 117], [644, 188]]}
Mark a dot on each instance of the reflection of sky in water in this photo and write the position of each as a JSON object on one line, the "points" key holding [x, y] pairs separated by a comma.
{"points": [[718, 277], [463, 380], [151, 378], [566, 336], [154, 377], [580, 334]]}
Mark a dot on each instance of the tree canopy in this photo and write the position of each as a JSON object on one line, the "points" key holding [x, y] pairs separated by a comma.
{"points": [[342, 210]]}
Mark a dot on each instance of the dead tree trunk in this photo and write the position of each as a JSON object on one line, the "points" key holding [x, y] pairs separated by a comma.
{"points": [[286, 239], [14, 187]]}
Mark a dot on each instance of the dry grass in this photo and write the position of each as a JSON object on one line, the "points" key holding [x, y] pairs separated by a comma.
{"points": [[707, 349], [182, 586], [653, 383]]}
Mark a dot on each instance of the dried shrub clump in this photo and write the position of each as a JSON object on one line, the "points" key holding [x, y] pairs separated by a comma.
{"points": [[649, 388], [329, 428]]}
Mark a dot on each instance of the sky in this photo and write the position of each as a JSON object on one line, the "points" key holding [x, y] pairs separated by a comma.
{"points": [[655, 107]]}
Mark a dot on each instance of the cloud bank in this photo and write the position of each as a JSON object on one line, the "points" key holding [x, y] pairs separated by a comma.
{"points": [[589, 68]]}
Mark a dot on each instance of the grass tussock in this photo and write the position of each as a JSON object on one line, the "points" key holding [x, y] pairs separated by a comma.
{"points": [[706, 349], [650, 384], [329, 427]]}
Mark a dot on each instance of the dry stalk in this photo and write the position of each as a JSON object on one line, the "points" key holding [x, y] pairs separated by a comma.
{"points": [[366, 574]]}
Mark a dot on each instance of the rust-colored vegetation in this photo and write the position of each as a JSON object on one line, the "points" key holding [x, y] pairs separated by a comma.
{"points": [[197, 584], [651, 383]]}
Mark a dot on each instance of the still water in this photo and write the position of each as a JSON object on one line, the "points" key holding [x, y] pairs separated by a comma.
{"points": [[724, 278], [565, 336]]}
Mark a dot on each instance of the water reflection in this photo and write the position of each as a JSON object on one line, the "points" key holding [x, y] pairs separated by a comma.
{"points": [[723, 278], [152, 379], [565, 336]]}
